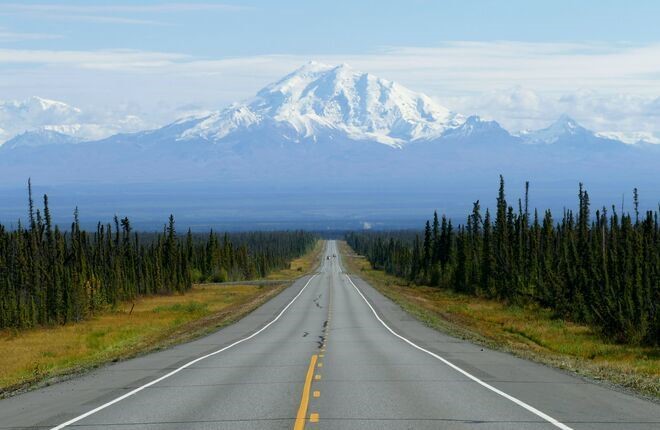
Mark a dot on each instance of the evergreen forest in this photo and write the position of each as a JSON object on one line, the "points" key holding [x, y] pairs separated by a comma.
{"points": [[54, 276], [601, 268]]}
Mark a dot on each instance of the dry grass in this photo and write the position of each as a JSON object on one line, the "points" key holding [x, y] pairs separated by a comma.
{"points": [[530, 332], [40, 355], [33, 355]]}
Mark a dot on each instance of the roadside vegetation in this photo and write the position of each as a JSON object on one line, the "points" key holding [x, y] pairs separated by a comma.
{"points": [[49, 276], [32, 355], [584, 287], [602, 271], [529, 331], [299, 266], [130, 328], [70, 300]]}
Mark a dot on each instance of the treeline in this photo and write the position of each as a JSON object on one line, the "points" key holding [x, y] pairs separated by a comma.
{"points": [[50, 276], [246, 255], [603, 270]]}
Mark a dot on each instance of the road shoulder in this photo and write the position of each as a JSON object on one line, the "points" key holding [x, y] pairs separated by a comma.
{"points": [[402, 307]]}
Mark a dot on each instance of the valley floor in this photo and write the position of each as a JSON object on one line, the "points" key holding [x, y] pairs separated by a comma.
{"points": [[529, 332]]}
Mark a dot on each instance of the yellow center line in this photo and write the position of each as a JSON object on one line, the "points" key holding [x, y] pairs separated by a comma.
{"points": [[304, 401]]}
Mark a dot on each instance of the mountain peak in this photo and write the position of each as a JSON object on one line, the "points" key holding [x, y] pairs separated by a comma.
{"points": [[39, 137], [476, 128], [38, 106], [566, 123], [317, 99], [565, 131], [48, 104]]}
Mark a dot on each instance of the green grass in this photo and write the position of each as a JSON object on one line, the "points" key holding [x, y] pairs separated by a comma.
{"points": [[189, 307], [530, 331]]}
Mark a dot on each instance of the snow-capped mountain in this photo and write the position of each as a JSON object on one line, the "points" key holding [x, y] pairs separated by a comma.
{"points": [[37, 113], [319, 99], [40, 137], [34, 112], [324, 141], [631, 138], [38, 109], [307, 126], [315, 103], [565, 131], [476, 129]]}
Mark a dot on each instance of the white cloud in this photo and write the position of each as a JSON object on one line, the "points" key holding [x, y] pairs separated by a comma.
{"points": [[521, 108], [120, 59], [14, 36], [101, 19]]}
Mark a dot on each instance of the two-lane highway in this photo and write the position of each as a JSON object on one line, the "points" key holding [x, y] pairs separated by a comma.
{"points": [[329, 352]]}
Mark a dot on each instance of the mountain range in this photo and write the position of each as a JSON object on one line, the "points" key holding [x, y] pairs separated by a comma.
{"points": [[326, 128], [315, 102]]}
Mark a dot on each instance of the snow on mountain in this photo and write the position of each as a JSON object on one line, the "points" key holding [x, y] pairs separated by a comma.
{"points": [[631, 138], [319, 98], [18, 116], [219, 124], [319, 129], [566, 132], [37, 113], [40, 137], [562, 128], [476, 128], [317, 103]]}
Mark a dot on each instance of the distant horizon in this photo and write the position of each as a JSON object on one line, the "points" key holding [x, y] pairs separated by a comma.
{"points": [[227, 210]]}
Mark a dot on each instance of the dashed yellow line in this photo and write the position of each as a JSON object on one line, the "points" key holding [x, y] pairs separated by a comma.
{"points": [[314, 363], [304, 401]]}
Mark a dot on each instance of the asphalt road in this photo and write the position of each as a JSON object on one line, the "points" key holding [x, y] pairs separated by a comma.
{"points": [[330, 353]]}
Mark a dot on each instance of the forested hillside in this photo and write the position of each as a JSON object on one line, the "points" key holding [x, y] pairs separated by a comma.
{"points": [[50, 276], [603, 270]]}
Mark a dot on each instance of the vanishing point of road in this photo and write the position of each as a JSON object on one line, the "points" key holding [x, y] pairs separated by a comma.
{"points": [[329, 352]]}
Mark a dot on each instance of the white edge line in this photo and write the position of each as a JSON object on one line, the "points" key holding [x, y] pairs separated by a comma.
{"points": [[175, 371], [530, 408]]}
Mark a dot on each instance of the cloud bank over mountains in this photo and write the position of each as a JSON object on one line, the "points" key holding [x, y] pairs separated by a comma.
{"points": [[518, 109], [608, 88]]}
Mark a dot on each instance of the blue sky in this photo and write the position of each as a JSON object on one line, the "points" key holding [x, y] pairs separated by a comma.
{"points": [[520, 62], [332, 27]]}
